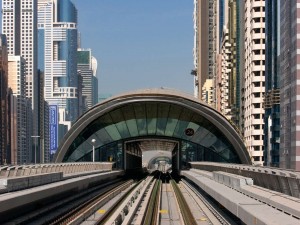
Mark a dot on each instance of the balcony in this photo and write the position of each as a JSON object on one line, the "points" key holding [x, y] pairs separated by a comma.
{"points": [[260, 35]]}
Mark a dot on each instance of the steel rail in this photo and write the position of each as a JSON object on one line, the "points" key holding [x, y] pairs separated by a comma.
{"points": [[108, 213], [81, 209], [186, 213], [210, 207], [151, 214]]}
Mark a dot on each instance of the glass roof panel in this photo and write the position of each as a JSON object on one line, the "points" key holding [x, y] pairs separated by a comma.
{"points": [[170, 128], [113, 132], [129, 117], [140, 113], [132, 126], [161, 126], [103, 136], [174, 114], [123, 129], [151, 117]]}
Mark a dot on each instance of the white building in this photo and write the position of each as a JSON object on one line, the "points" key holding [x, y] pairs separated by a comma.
{"points": [[19, 24], [57, 50], [225, 71], [254, 78]]}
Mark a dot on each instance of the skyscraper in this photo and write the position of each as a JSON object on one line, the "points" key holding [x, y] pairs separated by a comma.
{"points": [[20, 109], [206, 43], [19, 24], [289, 85], [272, 95], [4, 123], [254, 78], [234, 32], [95, 80], [57, 49], [84, 66]]}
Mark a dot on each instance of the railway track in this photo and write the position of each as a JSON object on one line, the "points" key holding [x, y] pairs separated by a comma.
{"points": [[79, 213], [156, 199], [59, 211], [210, 206]]}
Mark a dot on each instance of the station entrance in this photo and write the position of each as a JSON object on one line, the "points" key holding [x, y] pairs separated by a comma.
{"points": [[123, 128]]}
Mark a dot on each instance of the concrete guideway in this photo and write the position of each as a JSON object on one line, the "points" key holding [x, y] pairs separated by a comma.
{"points": [[276, 179], [238, 195], [14, 178], [13, 203]]}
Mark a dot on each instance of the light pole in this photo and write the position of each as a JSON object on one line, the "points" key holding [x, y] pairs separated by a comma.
{"points": [[35, 148], [93, 143]]}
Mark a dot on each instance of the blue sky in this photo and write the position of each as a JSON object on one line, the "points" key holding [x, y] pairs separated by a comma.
{"points": [[139, 44]]}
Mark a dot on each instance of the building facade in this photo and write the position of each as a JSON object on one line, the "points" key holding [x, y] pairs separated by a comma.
{"points": [[4, 116], [57, 49], [223, 86], [19, 24], [272, 96], [289, 85], [84, 67], [254, 78], [206, 43], [20, 112], [95, 80], [208, 91]]}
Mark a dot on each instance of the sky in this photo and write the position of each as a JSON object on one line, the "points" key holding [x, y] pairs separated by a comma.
{"points": [[139, 44]]}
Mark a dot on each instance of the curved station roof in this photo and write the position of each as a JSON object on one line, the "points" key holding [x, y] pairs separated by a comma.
{"points": [[149, 114]]}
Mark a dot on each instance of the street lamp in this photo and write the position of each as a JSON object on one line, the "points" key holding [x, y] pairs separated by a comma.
{"points": [[35, 148], [93, 143]]}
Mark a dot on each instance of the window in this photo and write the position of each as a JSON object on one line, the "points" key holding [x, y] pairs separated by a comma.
{"points": [[256, 148], [256, 158], [256, 105]]}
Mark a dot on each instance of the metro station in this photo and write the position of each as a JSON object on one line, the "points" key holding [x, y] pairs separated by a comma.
{"points": [[124, 127]]}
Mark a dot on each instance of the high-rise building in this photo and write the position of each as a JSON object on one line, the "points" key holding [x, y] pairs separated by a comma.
{"points": [[206, 43], [289, 70], [95, 80], [19, 24], [4, 122], [57, 49], [272, 95], [222, 63], [254, 78], [84, 67], [43, 151], [234, 31], [21, 112], [224, 74]]}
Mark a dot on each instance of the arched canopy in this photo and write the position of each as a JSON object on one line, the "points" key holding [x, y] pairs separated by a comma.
{"points": [[153, 113]]}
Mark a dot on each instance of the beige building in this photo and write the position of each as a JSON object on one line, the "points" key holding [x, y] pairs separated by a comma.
{"points": [[21, 113], [225, 74], [254, 78], [208, 92], [206, 43]]}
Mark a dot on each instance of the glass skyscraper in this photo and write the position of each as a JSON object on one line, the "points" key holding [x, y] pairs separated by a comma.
{"points": [[57, 50], [272, 95]]}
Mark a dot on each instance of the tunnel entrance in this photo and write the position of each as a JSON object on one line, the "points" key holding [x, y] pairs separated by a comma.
{"points": [[152, 154]]}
